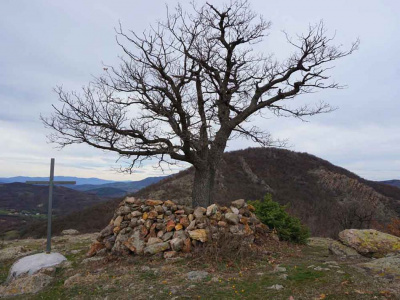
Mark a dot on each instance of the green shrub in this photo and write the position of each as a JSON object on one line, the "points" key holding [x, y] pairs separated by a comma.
{"points": [[275, 216]]}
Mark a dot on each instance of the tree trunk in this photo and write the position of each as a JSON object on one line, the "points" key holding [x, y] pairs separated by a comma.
{"points": [[203, 186]]}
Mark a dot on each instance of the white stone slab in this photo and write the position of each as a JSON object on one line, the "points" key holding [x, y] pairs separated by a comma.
{"points": [[32, 263]]}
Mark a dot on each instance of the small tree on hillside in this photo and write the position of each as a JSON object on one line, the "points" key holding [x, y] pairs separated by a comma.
{"points": [[189, 84]]}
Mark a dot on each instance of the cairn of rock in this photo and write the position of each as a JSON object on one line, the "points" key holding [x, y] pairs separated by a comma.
{"points": [[147, 227]]}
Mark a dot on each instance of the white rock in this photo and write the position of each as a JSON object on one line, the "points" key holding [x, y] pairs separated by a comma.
{"points": [[197, 275], [234, 210], [70, 232], [33, 263], [276, 287]]}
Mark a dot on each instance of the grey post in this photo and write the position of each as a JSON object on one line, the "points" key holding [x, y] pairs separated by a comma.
{"points": [[51, 183], [49, 210]]}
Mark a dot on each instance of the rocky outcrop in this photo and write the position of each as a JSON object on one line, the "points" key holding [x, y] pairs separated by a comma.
{"points": [[343, 251], [387, 267], [148, 227], [31, 274], [26, 284], [370, 242]]}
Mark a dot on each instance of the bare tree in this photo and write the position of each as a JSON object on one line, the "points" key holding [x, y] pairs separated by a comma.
{"points": [[189, 84]]}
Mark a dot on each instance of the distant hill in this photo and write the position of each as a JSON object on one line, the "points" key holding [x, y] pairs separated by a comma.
{"points": [[22, 203], [393, 182], [116, 188], [78, 180], [327, 198]]}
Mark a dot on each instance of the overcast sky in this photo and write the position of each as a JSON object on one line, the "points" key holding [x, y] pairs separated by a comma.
{"points": [[49, 43]]}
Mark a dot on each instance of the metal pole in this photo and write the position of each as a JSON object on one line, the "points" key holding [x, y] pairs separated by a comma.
{"points": [[50, 207]]}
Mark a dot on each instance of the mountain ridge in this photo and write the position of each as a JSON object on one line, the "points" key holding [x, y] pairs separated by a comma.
{"points": [[325, 197]]}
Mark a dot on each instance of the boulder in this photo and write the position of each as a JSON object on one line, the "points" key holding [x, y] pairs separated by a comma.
{"points": [[135, 242], [370, 242], [33, 263], [25, 285], [387, 267], [337, 248]]}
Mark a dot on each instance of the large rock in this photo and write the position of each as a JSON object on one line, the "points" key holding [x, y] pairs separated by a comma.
{"points": [[135, 242], [370, 242], [388, 267], [337, 248], [25, 285], [33, 263]]}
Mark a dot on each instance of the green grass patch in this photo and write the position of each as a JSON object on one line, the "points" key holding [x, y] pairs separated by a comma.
{"points": [[302, 274]]}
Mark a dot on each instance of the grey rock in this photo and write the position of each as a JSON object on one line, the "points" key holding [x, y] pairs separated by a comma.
{"points": [[199, 212], [176, 244], [123, 210], [196, 275], [234, 210], [156, 248], [337, 248], [232, 218], [25, 285], [70, 232], [275, 287], [107, 231], [238, 203], [387, 267], [167, 236], [136, 214], [191, 226], [153, 240]]}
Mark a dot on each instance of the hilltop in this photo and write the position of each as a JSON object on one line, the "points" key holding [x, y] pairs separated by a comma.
{"points": [[326, 197]]}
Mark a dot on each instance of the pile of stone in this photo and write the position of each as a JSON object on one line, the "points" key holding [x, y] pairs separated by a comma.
{"points": [[147, 227]]}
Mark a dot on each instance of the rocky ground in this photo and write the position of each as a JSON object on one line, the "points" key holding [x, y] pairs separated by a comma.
{"points": [[282, 272]]}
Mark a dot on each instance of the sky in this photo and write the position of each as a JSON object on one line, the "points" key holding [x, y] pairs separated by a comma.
{"points": [[49, 43]]}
